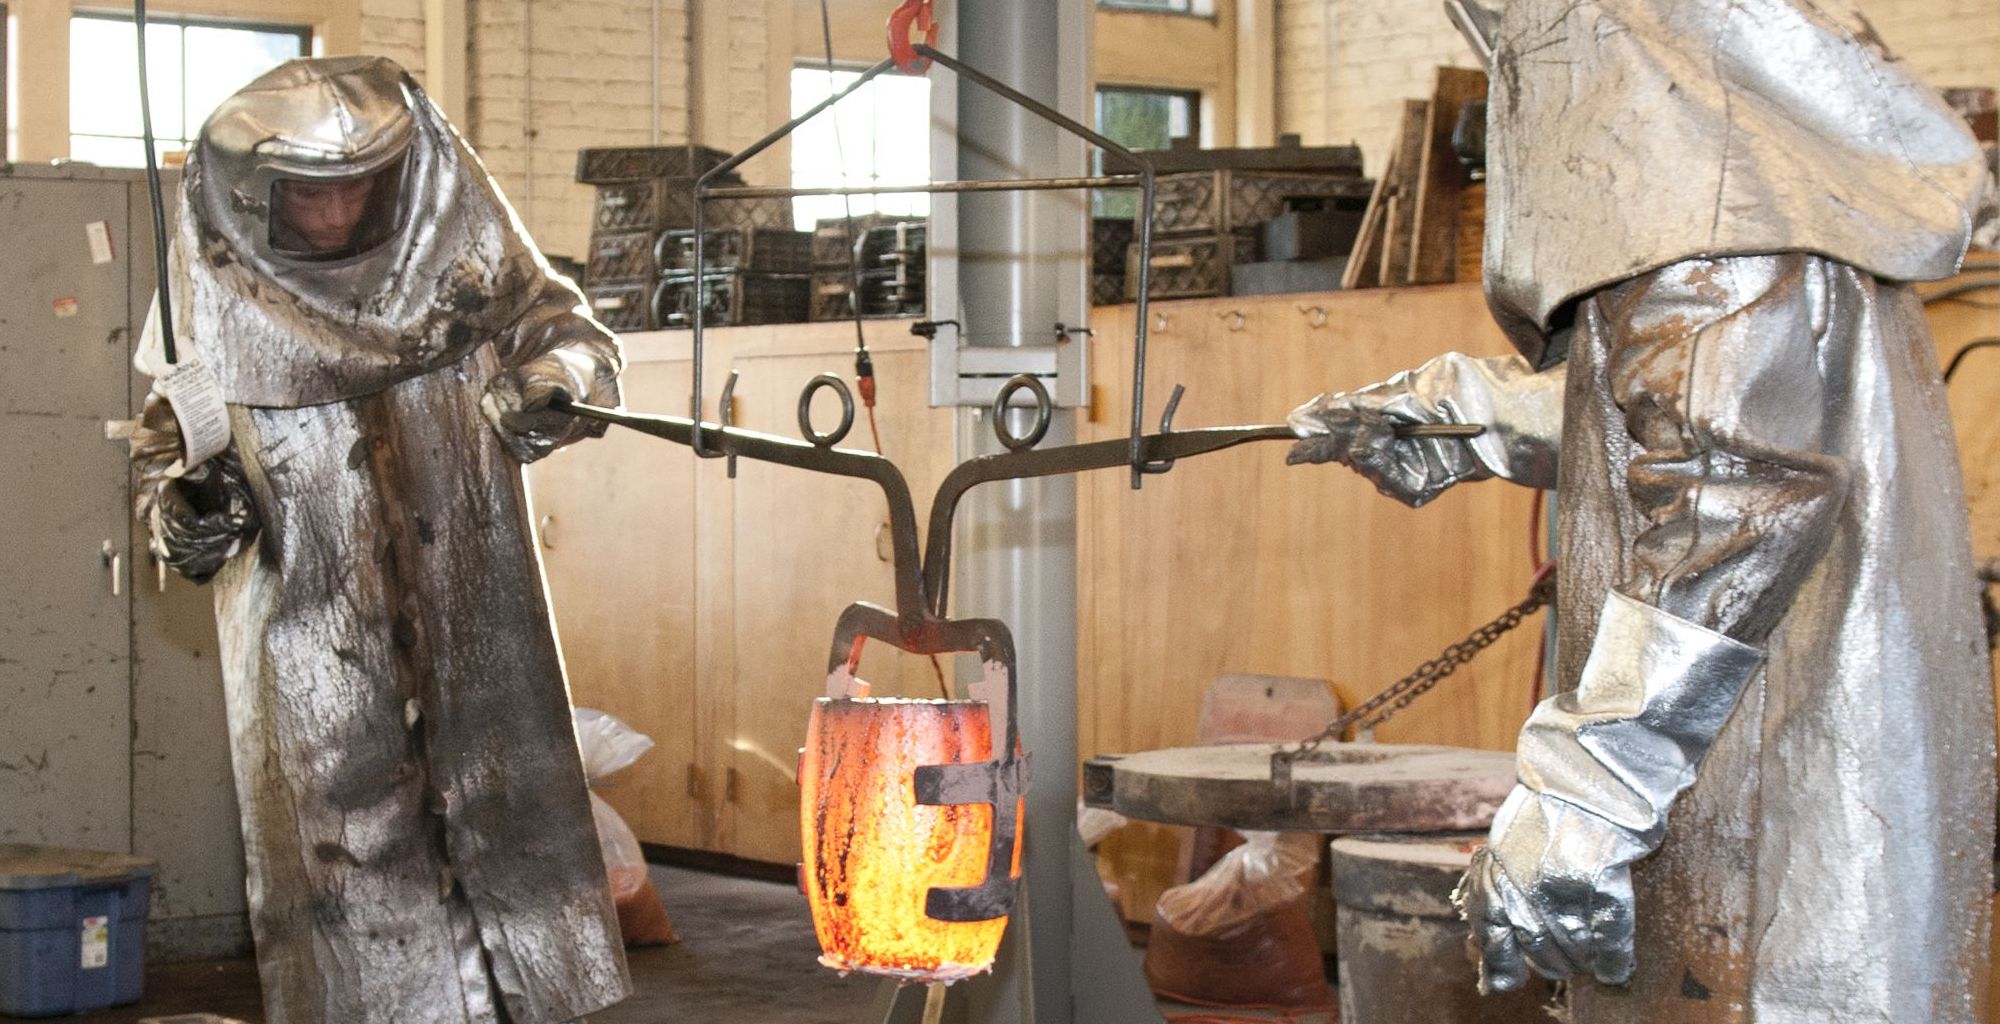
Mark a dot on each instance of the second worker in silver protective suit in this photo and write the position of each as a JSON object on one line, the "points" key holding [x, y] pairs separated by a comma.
{"points": [[386, 338], [1700, 216]]}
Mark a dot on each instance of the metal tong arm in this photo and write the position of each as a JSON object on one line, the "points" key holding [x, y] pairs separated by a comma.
{"points": [[783, 451], [1166, 445]]}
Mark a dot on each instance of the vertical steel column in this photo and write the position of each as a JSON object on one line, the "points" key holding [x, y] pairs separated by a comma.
{"points": [[1017, 539], [1022, 266]]}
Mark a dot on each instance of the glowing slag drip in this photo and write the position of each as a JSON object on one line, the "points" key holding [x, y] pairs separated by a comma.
{"points": [[872, 852]]}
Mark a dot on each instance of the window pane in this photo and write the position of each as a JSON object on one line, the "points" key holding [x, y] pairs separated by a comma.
{"points": [[104, 77], [190, 69], [223, 60], [881, 134], [1140, 119]]}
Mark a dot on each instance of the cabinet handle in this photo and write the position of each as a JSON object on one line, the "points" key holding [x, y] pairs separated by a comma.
{"points": [[547, 531], [729, 784], [693, 781]]}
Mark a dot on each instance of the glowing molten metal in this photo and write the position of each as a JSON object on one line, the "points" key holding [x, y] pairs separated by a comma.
{"points": [[872, 853]]}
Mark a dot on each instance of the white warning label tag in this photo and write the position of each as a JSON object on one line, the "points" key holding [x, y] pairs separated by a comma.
{"points": [[96, 942], [196, 397]]}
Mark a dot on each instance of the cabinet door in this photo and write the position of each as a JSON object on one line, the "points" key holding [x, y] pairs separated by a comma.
{"points": [[1235, 562], [65, 719], [614, 517], [805, 546]]}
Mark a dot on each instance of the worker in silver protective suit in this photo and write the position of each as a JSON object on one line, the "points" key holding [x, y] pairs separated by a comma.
{"points": [[1700, 218], [386, 339]]}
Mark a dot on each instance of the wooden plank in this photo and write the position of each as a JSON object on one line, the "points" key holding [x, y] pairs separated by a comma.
{"points": [[1441, 178], [1402, 222], [1364, 265]]}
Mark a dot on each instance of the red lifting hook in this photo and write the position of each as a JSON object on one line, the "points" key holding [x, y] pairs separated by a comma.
{"points": [[900, 50]]}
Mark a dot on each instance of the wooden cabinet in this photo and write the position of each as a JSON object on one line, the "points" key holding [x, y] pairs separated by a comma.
{"points": [[1237, 563]]}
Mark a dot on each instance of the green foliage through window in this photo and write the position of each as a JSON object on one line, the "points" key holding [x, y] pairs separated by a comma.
{"points": [[1141, 119]]}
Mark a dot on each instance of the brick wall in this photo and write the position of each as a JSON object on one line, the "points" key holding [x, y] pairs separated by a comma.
{"points": [[1345, 66], [394, 29], [545, 78]]}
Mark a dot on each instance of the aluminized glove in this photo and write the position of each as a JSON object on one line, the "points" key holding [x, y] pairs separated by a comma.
{"points": [[517, 403], [201, 519], [1521, 409], [1599, 767]]}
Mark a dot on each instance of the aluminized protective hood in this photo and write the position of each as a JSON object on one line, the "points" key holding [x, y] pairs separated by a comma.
{"points": [[1625, 135], [280, 331]]}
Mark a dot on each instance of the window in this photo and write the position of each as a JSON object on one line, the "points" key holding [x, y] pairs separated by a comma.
{"points": [[192, 65], [10, 110], [879, 135], [1203, 8], [1141, 119]]}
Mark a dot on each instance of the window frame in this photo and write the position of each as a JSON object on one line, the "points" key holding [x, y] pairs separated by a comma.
{"points": [[7, 129], [1201, 9], [304, 34]]}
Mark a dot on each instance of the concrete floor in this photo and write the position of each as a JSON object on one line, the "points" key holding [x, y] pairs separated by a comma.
{"points": [[746, 956]]}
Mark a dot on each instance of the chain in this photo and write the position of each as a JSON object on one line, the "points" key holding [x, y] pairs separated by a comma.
{"points": [[1403, 692]]}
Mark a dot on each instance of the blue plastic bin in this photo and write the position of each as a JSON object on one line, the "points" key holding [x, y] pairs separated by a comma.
{"points": [[72, 929]]}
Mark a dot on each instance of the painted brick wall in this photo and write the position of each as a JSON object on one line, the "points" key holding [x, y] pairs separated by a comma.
{"points": [[395, 29], [548, 77], [1345, 66]]}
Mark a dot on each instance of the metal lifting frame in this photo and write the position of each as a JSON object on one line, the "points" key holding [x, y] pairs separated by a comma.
{"points": [[1143, 180], [919, 623]]}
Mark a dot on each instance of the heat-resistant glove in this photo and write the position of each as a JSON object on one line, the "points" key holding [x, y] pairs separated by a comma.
{"points": [[1521, 410], [202, 518], [517, 403], [1599, 767]]}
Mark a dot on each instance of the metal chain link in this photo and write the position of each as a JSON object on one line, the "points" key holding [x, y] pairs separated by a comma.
{"points": [[1403, 692]]}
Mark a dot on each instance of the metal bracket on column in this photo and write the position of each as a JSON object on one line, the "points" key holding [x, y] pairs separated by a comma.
{"points": [[972, 375]]}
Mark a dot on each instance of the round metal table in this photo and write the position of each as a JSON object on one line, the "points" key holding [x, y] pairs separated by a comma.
{"points": [[1347, 787]]}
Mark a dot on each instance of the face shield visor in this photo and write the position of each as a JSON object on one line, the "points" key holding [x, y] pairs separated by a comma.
{"points": [[317, 219]]}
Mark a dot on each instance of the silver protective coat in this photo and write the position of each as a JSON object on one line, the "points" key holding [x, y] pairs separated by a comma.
{"points": [[419, 843], [1767, 623], [1760, 447], [1768, 612], [1624, 135]]}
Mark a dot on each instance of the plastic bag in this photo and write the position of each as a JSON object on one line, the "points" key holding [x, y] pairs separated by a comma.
{"points": [[624, 861], [609, 745], [1242, 934], [1259, 876], [1095, 824]]}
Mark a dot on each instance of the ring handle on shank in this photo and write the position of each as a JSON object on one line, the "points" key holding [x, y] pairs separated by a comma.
{"points": [[907, 59], [1044, 410], [833, 437]]}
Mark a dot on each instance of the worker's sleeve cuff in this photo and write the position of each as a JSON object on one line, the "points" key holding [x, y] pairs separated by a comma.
{"points": [[1654, 694]]}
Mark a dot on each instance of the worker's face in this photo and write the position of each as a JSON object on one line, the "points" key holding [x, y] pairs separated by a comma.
{"points": [[325, 214]]}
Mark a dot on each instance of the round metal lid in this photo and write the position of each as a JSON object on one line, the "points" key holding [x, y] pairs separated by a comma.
{"points": [[1349, 787]]}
